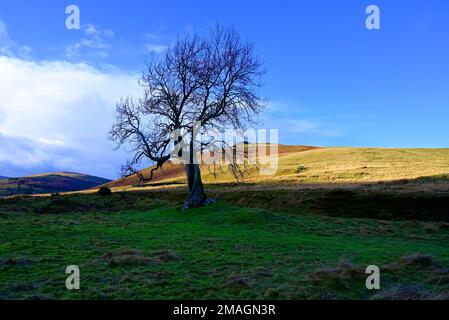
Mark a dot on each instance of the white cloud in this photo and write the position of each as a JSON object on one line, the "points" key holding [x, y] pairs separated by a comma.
{"points": [[56, 115], [94, 42], [312, 127], [152, 36], [156, 48], [95, 32], [10, 48], [291, 119], [23, 152]]}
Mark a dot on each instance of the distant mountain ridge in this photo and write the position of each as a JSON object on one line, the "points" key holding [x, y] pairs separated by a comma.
{"points": [[49, 183]]}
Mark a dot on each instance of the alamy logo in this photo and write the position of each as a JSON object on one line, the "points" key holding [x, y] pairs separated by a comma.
{"points": [[73, 21], [373, 20], [373, 280], [73, 280], [237, 147]]}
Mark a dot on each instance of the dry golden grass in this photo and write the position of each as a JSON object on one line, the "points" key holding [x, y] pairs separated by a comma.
{"points": [[351, 165], [364, 164], [321, 167], [172, 172]]}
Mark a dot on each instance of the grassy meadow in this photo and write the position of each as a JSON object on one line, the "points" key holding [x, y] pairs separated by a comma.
{"points": [[307, 233], [134, 246]]}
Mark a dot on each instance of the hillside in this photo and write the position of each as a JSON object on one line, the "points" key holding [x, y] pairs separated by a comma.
{"points": [[174, 173], [49, 183], [309, 165], [270, 238]]}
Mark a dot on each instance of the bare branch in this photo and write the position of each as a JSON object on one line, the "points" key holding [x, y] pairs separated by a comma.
{"points": [[210, 80]]}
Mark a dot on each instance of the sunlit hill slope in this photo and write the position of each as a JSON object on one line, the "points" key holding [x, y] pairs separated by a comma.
{"points": [[339, 165]]}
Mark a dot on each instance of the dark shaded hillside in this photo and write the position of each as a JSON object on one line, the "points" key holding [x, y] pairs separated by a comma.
{"points": [[49, 183]]}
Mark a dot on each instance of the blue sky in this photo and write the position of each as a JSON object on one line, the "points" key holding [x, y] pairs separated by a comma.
{"points": [[330, 81]]}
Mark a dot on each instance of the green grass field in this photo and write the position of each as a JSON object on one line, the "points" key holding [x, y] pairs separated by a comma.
{"points": [[140, 245]]}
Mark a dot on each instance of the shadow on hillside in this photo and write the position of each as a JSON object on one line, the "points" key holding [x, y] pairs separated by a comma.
{"points": [[424, 198], [415, 199]]}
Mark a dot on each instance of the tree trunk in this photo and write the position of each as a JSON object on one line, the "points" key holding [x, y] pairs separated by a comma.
{"points": [[197, 197]]}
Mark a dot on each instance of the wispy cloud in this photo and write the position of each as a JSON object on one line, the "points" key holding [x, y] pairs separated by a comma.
{"points": [[151, 36], [276, 107], [10, 48], [95, 42], [292, 119], [312, 127], [156, 48]]}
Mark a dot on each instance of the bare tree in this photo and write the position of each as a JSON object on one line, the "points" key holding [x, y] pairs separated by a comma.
{"points": [[209, 82]]}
